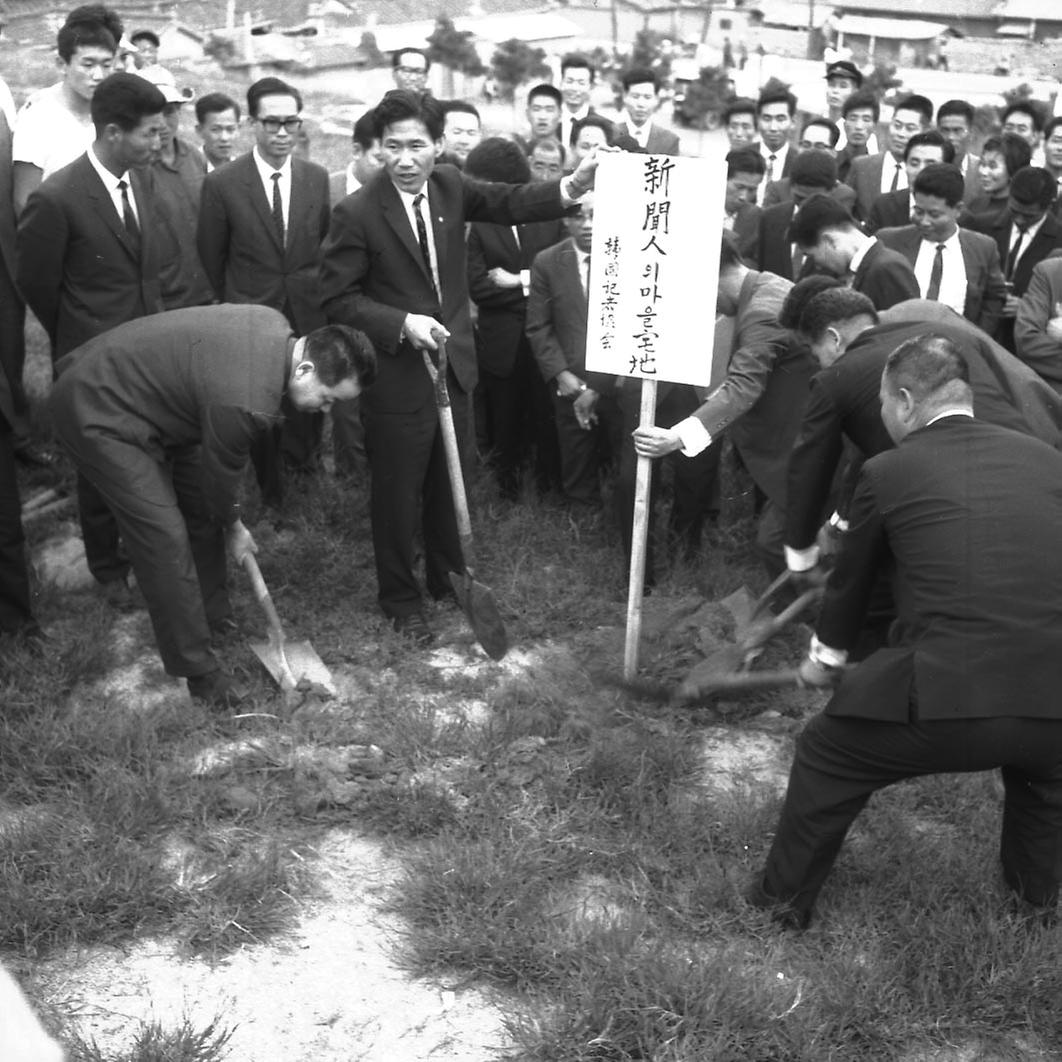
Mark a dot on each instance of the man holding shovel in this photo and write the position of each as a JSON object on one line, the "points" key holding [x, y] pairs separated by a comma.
{"points": [[394, 266], [160, 415]]}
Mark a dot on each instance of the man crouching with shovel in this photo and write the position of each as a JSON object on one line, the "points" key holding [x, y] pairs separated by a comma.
{"points": [[160, 415]]}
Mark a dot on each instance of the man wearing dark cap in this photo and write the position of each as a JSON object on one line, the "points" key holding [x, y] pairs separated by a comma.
{"points": [[1025, 233], [828, 234], [842, 79]]}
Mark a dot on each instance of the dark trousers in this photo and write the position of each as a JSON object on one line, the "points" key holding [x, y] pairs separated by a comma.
{"points": [[104, 553], [14, 578], [841, 761], [348, 438], [177, 551], [695, 483], [584, 453], [411, 491], [295, 445]]}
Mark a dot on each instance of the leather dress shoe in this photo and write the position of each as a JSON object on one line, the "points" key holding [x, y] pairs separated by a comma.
{"points": [[415, 628], [120, 595], [216, 689]]}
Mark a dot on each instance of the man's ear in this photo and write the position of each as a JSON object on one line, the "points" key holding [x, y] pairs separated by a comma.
{"points": [[304, 368]]}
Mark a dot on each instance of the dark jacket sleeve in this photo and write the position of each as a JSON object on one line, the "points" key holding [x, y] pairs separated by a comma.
{"points": [[228, 433], [1035, 347], [484, 292], [41, 244], [212, 235], [545, 345]]}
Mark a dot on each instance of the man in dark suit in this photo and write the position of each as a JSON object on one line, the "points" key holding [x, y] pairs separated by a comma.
{"points": [[893, 209], [577, 84], [641, 98], [955, 119], [513, 410], [851, 344], [859, 115], [1025, 234], [775, 110], [166, 443], [261, 222], [873, 175], [88, 260], [969, 681], [818, 134], [398, 272], [952, 265], [758, 400], [744, 174], [1038, 327], [825, 232]]}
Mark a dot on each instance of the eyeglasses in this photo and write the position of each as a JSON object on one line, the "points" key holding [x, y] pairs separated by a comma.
{"points": [[411, 71], [274, 125]]}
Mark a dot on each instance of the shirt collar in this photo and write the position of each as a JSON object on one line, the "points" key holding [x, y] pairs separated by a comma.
{"points": [[857, 258], [353, 184], [267, 169], [951, 243], [954, 411], [110, 182], [1029, 233]]}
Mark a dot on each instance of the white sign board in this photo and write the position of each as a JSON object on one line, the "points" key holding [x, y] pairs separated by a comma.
{"points": [[654, 267]]}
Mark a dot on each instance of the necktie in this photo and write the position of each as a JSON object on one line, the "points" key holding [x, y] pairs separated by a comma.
{"points": [[896, 177], [935, 274], [771, 159], [422, 239], [278, 207], [1012, 258], [129, 218]]}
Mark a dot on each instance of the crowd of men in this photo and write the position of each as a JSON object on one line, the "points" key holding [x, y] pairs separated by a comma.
{"points": [[206, 310]]}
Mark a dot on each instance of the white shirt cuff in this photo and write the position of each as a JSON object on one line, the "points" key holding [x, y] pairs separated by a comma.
{"points": [[525, 281], [838, 522], [694, 436], [826, 655], [801, 560]]}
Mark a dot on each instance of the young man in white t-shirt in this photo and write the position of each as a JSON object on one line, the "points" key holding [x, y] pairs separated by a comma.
{"points": [[54, 126]]}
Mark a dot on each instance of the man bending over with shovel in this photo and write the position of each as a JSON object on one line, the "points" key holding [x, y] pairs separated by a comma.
{"points": [[160, 414]]}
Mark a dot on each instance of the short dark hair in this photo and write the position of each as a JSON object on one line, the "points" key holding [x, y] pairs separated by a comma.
{"points": [[729, 252], [579, 62], [863, 100], [146, 35], [832, 306], [1034, 186], [640, 76], [835, 133], [215, 103], [400, 105], [364, 133], [270, 86], [931, 138], [924, 364], [739, 105], [800, 294], [817, 169], [819, 213], [550, 142], [941, 179], [1013, 149], [956, 109], [919, 104], [498, 159], [89, 26], [396, 57], [124, 100], [545, 89], [1027, 107], [780, 95], [598, 120], [1051, 126], [459, 107], [339, 353], [745, 160]]}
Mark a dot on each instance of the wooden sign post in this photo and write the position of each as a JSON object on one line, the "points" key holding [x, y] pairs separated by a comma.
{"points": [[651, 299]]}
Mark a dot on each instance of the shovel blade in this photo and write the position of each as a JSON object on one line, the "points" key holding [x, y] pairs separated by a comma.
{"points": [[303, 664], [478, 604]]}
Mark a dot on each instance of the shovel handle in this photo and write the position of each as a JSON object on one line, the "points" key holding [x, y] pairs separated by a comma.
{"points": [[265, 599]]}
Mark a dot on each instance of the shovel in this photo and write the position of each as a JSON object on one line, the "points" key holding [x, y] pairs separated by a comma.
{"points": [[290, 663], [476, 600]]}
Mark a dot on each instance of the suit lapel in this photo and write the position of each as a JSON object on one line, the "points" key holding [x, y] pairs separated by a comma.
{"points": [[438, 225], [257, 195], [394, 212], [105, 209], [573, 281]]}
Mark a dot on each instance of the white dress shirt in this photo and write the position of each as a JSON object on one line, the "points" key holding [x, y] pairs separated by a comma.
{"points": [[568, 119], [774, 169], [888, 169], [1025, 239], [425, 212], [110, 182], [265, 172], [953, 277]]}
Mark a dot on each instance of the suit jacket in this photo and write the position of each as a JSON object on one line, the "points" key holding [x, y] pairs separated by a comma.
{"points": [[661, 141], [998, 225], [12, 308], [1039, 305], [845, 157], [985, 290], [373, 274], [775, 248], [977, 575], [210, 376], [889, 211], [886, 277], [500, 327], [77, 267], [240, 248], [781, 191], [761, 398], [864, 176], [746, 230], [843, 403]]}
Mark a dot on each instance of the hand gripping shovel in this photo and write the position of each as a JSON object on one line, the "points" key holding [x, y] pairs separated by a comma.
{"points": [[476, 600], [290, 663]]}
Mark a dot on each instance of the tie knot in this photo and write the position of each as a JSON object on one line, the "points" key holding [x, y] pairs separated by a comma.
{"points": [[418, 199], [275, 175], [122, 186], [941, 246], [772, 157]]}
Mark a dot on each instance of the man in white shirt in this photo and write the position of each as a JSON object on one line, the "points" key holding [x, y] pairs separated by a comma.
{"points": [[1053, 155], [217, 121], [54, 126], [641, 97], [955, 120], [577, 82], [461, 132], [774, 117]]}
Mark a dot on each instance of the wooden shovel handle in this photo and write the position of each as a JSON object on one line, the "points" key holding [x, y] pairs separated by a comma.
{"points": [[265, 599]]}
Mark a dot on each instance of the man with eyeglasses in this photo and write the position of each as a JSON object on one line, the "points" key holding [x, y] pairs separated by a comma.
{"points": [[261, 222], [409, 67], [1053, 157]]}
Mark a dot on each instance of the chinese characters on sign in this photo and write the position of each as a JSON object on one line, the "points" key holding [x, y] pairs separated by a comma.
{"points": [[655, 267]]}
